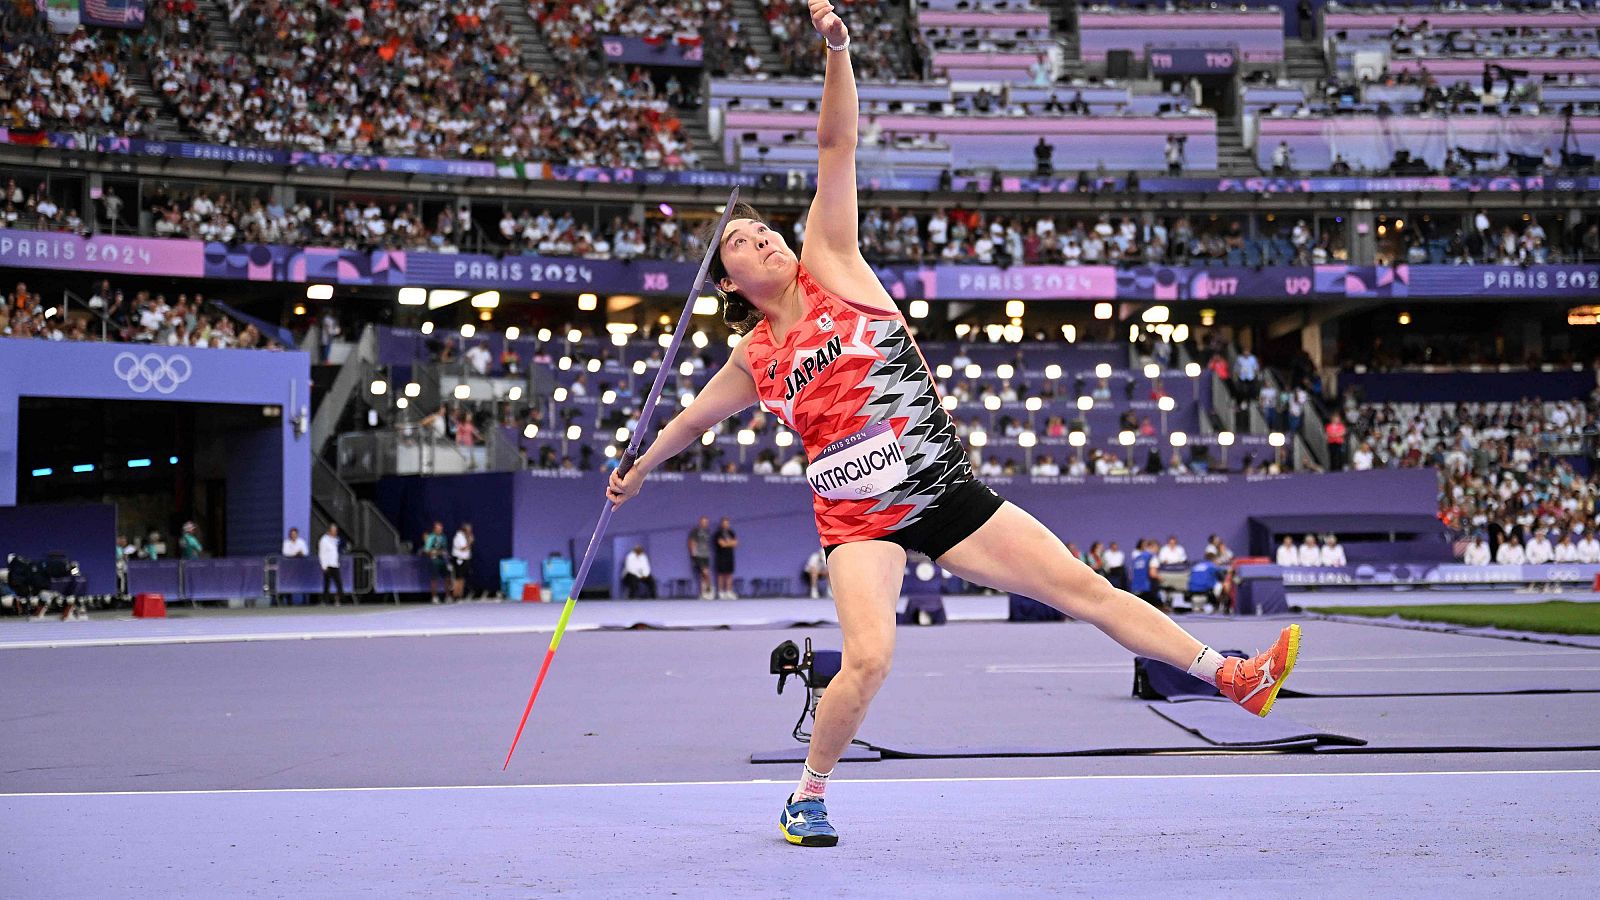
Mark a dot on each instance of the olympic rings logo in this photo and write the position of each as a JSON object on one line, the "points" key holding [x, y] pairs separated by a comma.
{"points": [[152, 371]]}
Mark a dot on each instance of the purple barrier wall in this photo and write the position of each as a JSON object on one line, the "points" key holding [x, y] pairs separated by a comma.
{"points": [[85, 532], [412, 503], [777, 532], [1471, 387], [223, 579], [159, 576]]}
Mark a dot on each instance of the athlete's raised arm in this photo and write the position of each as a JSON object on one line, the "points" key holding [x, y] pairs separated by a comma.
{"points": [[832, 251]]}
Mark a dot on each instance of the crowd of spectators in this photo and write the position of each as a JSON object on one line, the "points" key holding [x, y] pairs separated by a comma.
{"points": [[69, 82], [1502, 472], [883, 45], [111, 314], [573, 30]]}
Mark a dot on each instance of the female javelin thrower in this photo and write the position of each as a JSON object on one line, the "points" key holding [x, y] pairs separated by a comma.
{"points": [[826, 350]]}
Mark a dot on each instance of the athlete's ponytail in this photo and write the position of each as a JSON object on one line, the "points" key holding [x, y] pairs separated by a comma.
{"points": [[738, 313]]}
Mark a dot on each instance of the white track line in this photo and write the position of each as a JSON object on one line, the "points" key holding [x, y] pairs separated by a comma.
{"points": [[290, 636], [767, 781]]}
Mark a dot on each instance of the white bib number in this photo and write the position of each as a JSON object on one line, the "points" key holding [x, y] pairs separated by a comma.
{"points": [[865, 464]]}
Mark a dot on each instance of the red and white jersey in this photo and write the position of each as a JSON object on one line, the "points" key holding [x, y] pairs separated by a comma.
{"points": [[841, 369]]}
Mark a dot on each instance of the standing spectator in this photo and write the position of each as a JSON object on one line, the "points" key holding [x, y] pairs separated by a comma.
{"points": [[816, 572], [636, 578], [700, 555], [727, 540], [1282, 159], [461, 556], [1142, 573], [189, 543], [1288, 553], [435, 548], [294, 547], [1116, 570], [328, 557], [1335, 432], [1247, 369]]}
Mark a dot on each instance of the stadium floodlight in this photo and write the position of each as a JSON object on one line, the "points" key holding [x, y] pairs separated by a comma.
{"points": [[1166, 403], [442, 297], [515, 393], [1225, 438], [1103, 370], [784, 438], [319, 292], [543, 335], [1012, 333], [588, 302], [532, 431], [1102, 310], [949, 401], [1027, 439], [733, 340], [1126, 438], [706, 305], [611, 451], [622, 435], [1070, 333], [379, 387], [593, 365], [468, 330], [1151, 370], [559, 395], [427, 328], [564, 363], [639, 368], [1052, 371], [700, 339], [618, 339], [1180, 333], [686, 368], [1004, 371], [1276, 439], [413, 296], [665, 339], [401, 403], [746, 437], [463, 391], [413, 389], [708, 438], [574, 336], [574, 432], [608, 397], [991, 402], [978, 438], [943, 371], [1085, 403], [513, 333], [1033, 404], [1014, 309], [1155, 315], [1077, 438], [974, 370], [918, 309], [1192, 370], [1178, 438], [486, 300]]}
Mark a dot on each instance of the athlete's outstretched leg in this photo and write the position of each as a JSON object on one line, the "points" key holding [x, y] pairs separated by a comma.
{"points": [[1014, 552]]}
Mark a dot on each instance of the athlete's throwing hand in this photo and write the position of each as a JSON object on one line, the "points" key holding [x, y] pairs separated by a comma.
{"points": [[620, 490], [828, 23]]}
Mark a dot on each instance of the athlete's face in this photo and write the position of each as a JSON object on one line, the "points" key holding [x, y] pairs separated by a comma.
{"points": [[758, 261]]}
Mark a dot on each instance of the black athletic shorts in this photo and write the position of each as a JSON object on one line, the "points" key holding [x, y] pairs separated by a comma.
{"points": [[946, 522]]}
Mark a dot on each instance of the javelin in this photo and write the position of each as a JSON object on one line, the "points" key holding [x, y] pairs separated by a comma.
{"points": [[628, 457]]}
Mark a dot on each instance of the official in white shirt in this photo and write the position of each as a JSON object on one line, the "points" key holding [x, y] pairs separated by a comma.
{"points": [[1333, 552], [328, 557], [1511, 553], [461, 554], [1539, 551], [1477, 553], [637, 581], [294, 545], [1288, 553], [1310, 553], [1566, 551], [1589, 549], [1172, 553]]}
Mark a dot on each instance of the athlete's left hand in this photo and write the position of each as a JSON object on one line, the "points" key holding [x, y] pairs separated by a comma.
{"points": [[828, 23]]}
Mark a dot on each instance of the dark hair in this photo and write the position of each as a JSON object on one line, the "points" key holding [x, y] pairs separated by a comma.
{"points": [[738, 313]]}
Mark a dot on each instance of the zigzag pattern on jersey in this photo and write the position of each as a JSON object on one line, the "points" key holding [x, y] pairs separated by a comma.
{"points": [[897, 390]]}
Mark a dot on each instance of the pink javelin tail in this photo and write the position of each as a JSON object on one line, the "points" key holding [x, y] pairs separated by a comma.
{"points": [[548, 655]]}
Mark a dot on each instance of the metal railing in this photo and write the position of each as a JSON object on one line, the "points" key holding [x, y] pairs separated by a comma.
{"points": [[408, 449]]}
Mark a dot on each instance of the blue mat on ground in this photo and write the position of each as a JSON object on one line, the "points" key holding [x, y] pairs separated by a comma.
{"points": [[1225, 725], [877, 753], [797, 754]]}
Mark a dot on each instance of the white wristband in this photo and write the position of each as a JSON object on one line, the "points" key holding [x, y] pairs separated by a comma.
{"points": [[843, 46]]}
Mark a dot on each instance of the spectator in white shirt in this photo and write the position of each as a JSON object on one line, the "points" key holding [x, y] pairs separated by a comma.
{"points": [[1288, 553], [1362, 459], [478, 358], [461, 554], [295, 545], [1116, 565], [1588, 549], [636, 578], [328, 557], [1511, 553], [1539, 551], [1333, 552], [816, 572], [1172, 553], [1566, 551], [1310, 553], [1477, 553]]}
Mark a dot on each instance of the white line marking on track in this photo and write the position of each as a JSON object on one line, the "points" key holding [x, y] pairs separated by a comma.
{"points": [[766, 781], [290, 636]]}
